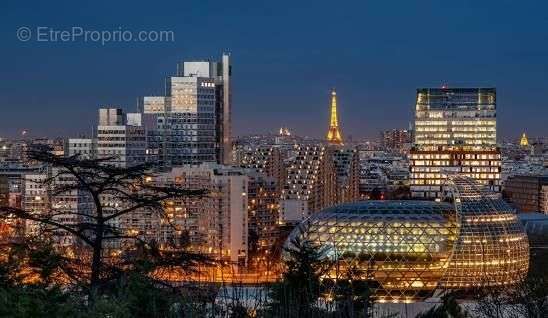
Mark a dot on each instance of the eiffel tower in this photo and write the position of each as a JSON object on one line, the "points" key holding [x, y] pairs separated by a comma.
{"points": [[334, 135]]}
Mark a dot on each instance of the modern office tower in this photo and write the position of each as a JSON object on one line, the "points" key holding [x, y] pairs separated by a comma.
{"points": [[263, 212], [334, 135], [310, 183], [85, 148], [215, 224], [395, 139], [121, 140], [192, 122], [527, 193], [347, 169], [455, 130]]}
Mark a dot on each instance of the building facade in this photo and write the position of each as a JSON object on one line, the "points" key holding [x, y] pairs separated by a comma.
{"points": [[214, 224], [310, 183], [121, 139], [85, 148], [264, 159], [455, 131], [347, 169], [527, 193], [191, 124], [396, 139]]}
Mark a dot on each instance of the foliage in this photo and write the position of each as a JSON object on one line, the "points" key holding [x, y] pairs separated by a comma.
{"points": [[300, 287], [103, 184], [449, 308]]}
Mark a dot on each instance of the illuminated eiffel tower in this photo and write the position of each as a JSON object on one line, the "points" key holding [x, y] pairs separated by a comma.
{"points": [[334, 135]]}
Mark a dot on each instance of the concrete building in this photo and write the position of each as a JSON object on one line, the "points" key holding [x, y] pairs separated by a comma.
{"points": [[310, 183], [86, 148], [70, 207], [215, 224], [264, 159], [35, 200], [527, 193], [396, 139], [455, 130], [191, 124], [347, 170], [120, 139], [263, 212]]}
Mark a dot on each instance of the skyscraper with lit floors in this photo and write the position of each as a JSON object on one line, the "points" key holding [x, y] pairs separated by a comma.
{"points": [[191, 124], [455, 131]]}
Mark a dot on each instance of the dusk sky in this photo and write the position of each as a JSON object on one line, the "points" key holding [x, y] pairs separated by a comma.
{"points": [[286, 57]]}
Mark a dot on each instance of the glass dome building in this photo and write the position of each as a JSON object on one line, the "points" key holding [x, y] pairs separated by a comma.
{"points": [[409, 249]]}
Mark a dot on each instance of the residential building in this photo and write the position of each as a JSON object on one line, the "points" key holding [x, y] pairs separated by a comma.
{"points": [[528, 193], [310, 183], [347, 169], [396, 139], [263, 212], [214, 224]]}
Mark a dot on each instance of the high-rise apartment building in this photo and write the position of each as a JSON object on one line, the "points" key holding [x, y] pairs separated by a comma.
{"points": [[265, 168], [263, 211], [265, 159], [310, 183], [120, 138], [215, 224], [455, 130], [43, 197], [191, 124], [35, 200], [347, 170]]}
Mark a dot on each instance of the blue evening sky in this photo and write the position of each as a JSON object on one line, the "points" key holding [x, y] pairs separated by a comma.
{"points": [[286, 57]]}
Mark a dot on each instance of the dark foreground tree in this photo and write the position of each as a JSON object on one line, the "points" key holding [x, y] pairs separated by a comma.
{"points": [[113, 192], [28, 288], [296, 295], [449, 308]]}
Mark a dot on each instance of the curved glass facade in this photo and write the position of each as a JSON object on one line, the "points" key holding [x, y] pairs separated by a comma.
{"points": [[408, 249]]}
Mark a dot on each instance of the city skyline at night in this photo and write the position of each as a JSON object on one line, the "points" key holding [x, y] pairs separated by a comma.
{"points": [[359, 159]]}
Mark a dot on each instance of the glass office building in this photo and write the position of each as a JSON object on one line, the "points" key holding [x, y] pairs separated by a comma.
{"points": [[455, 131]]}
